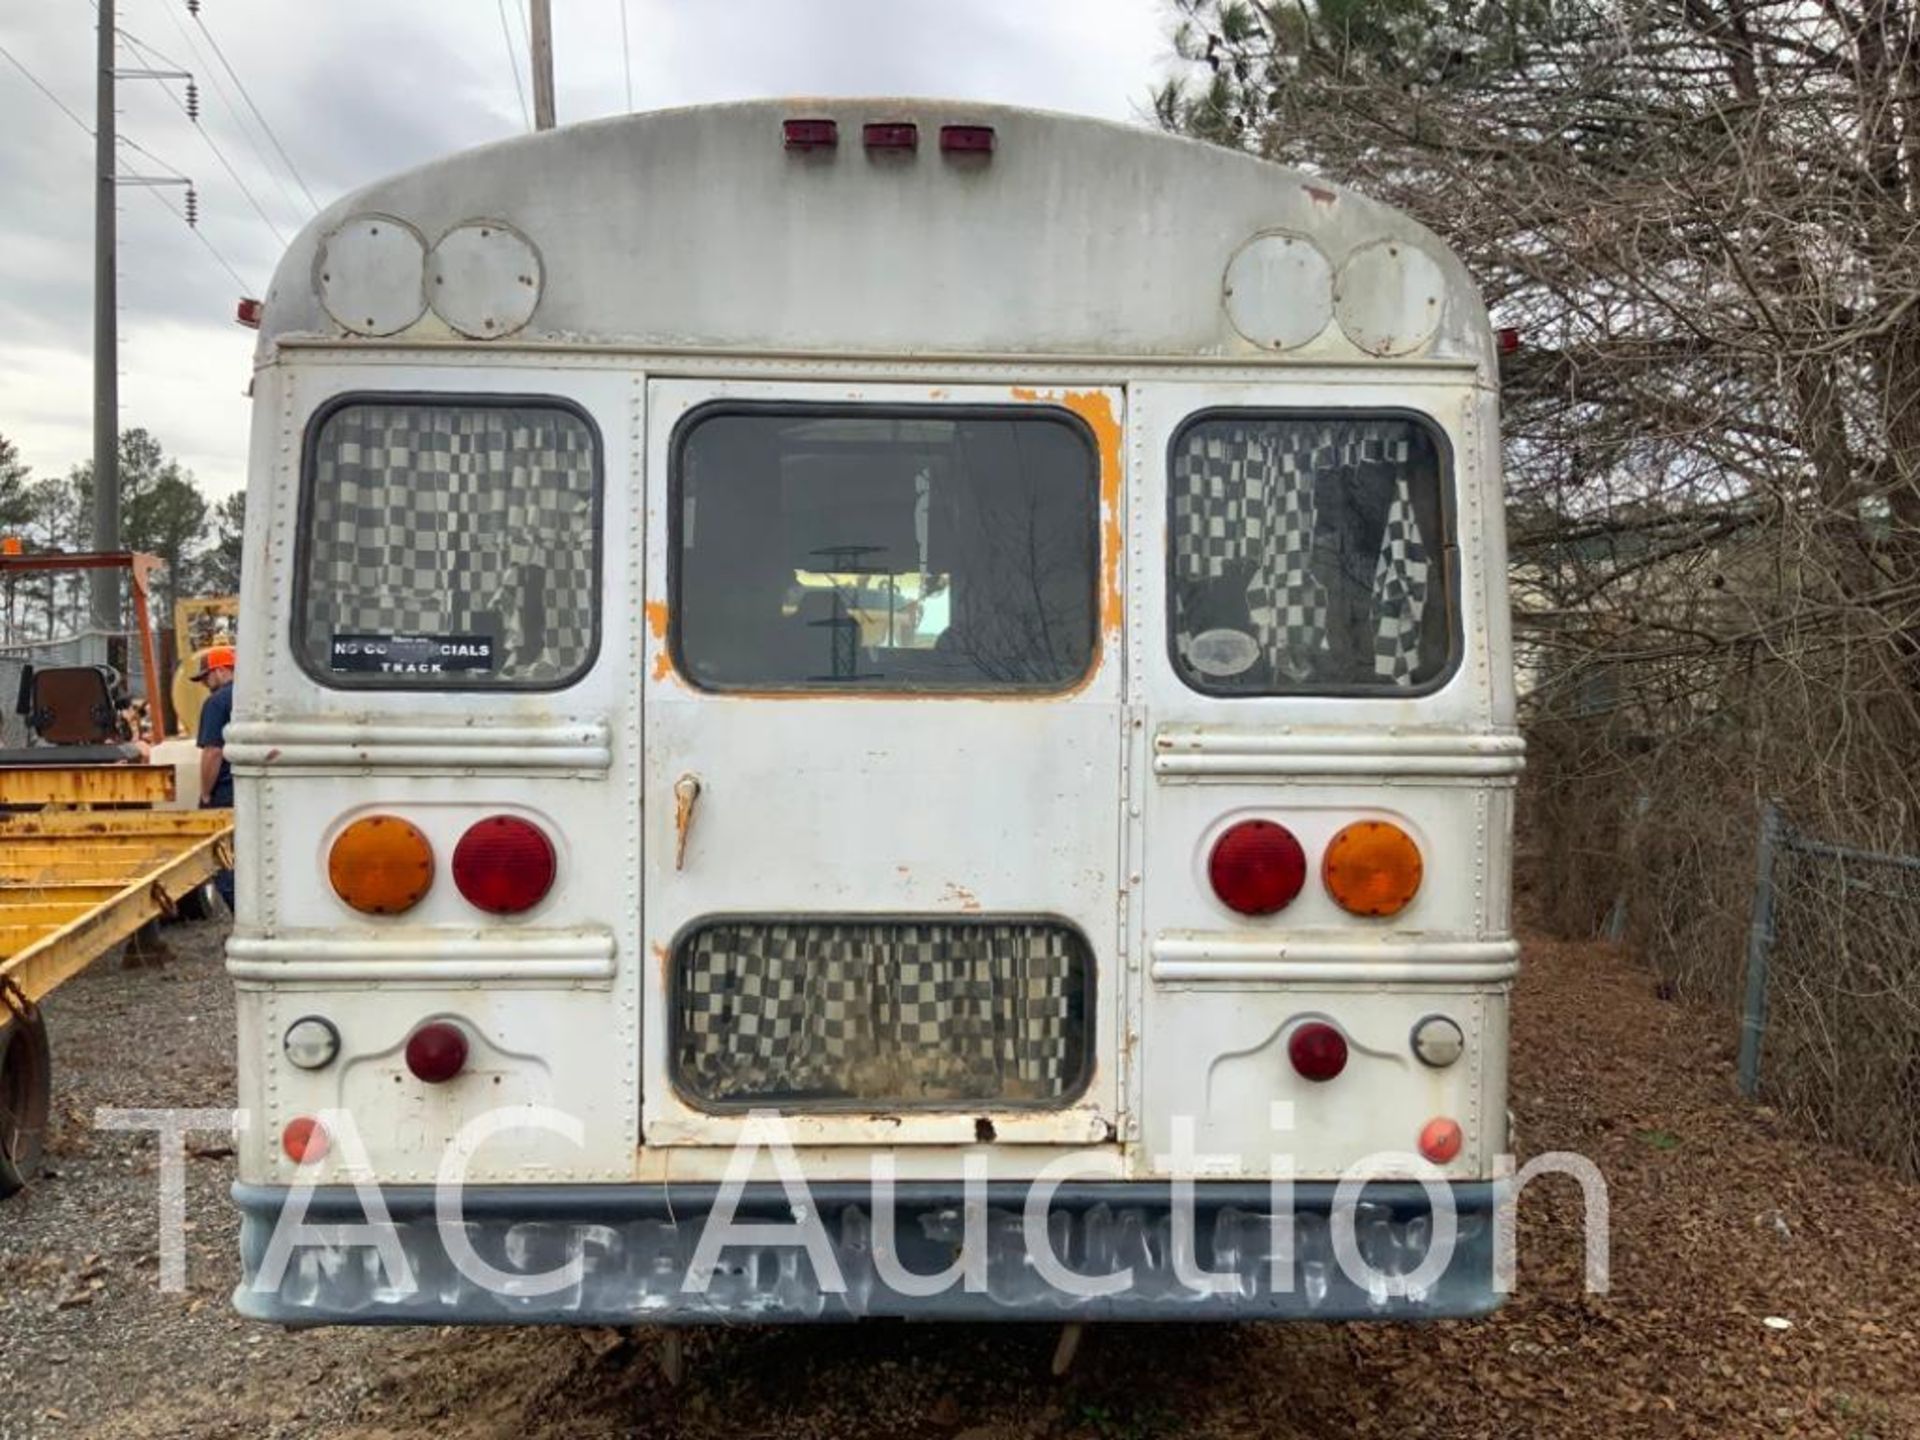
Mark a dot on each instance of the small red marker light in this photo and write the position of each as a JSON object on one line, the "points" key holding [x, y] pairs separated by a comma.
{"points": [[304, 1140], [1507, 338], [1318, 1051], [437, 1052], [1440, 1141], [891, 135], [811, 134], [1257, 867], [503, 865], [966, 139], [247, 312]]}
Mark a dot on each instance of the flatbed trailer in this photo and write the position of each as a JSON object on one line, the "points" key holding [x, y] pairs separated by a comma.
{"points": [[75, 882]]}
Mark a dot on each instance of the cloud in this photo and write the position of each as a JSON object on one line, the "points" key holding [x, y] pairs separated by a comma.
{"points": [[359, 89]]}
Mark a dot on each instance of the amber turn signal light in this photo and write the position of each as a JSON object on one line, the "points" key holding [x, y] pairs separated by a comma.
{"points": [[381, 865], [1372, 867]]}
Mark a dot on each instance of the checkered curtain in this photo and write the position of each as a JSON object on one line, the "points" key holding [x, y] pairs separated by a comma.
{"points": [[1246, 503], [442, 520], [882, 1013]]}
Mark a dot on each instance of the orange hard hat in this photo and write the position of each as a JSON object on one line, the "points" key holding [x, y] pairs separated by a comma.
{"points": [[220, 657]]}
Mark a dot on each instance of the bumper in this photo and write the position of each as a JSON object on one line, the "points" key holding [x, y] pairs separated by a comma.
{"points": [[633, 1254]]}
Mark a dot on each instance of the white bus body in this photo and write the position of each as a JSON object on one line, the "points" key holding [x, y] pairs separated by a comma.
{"points": [[865, 563]]}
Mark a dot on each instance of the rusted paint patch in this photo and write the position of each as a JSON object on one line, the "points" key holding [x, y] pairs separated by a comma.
{"points": [[657, 618], [960, 895], [1096, 409], [1320, 195]]}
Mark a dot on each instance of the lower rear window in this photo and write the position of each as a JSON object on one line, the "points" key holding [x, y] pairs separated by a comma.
{"points": [[881, 1014]]}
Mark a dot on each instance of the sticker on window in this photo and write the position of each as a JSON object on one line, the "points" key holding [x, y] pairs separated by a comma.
{"points": [[410, 654]]}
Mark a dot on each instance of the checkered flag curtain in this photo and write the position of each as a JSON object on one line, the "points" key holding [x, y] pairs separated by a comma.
{"points": [[442, 520], [1258, 507], [881, 1013]]}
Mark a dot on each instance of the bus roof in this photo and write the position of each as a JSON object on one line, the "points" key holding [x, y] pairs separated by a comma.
{"points": [[707, 228]]}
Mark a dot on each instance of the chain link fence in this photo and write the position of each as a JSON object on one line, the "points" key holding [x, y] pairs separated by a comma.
{"points": [[1831, 1031]]}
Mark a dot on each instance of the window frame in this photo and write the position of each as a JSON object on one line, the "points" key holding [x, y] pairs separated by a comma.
{"points": [[1072, 1095], [1449, 551], [303, 542], [885, 410]]}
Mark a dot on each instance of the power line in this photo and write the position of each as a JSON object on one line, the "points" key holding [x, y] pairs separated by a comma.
{"points": [[218, 154], [178, 214], [513, 64], [203, 67], [65, 109], [194, 10], [626, 54]]}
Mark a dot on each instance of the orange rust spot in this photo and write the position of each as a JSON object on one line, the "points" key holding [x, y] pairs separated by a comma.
{"points": [[657, 618], [1320, 195], [662, 666], [1097, 410], [659, 952]]}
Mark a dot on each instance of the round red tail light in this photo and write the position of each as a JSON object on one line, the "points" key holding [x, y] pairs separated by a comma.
{"points": [[504, 865], [304, 1140], [1257, 867], [1318, 1051], [437, 1052]]}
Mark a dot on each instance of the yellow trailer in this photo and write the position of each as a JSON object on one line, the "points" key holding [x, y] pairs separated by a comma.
{"points": [[73, 884]]}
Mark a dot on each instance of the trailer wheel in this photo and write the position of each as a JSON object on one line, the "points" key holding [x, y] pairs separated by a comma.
{"points": [[26, 1090]]}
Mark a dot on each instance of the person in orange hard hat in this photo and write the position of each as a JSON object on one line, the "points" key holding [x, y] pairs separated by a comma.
{"points": [[216, 775]]}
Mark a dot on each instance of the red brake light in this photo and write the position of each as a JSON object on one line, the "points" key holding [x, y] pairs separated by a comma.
{"points": [[504, 865], [811, 134], [1318, 1051], [966, 139], [891, 135], [1257, 867], [437, 1052]]}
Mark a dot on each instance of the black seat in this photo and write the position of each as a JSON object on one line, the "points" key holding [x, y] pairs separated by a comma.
{"points": [[70, 704]]}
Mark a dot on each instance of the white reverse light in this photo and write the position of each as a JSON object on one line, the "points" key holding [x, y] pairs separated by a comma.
{"points": [[311, 1043]]}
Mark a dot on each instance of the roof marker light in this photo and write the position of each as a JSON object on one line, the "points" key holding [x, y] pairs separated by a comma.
{"points": [[891, 135], [810, 134], [966, 139]]}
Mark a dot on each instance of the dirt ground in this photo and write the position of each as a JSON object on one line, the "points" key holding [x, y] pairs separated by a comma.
{"points": [[1726, 1224]]}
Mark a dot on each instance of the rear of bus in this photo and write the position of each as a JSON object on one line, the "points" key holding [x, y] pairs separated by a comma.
{"points": [[871, 708]]}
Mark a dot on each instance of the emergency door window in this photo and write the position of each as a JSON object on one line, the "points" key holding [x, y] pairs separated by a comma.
{"points": [[881, 550], [450, 545], [1309, 553]]}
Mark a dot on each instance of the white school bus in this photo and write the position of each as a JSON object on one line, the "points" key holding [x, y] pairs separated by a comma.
{"points": [[871, 708]]}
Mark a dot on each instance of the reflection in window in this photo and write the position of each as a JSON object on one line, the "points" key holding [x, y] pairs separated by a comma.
{"points": [[1308, 554], [824, 549]]}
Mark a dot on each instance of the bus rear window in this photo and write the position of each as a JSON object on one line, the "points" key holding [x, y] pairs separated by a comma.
{"points": [[822, 549], [1309, 554], [449, 544]]}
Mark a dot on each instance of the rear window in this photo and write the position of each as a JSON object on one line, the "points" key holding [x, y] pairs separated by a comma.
{"points": [[1310, 553], [844, 549], [449, 544]]}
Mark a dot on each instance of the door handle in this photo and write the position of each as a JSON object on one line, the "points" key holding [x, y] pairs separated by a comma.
{"points": [[686, 794]]}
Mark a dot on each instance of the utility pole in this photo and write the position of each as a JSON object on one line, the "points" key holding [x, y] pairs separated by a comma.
{"points": [[542, 62], [106, 338]]}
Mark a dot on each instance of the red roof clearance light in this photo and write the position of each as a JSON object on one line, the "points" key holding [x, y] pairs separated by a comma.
{"points": [[891, 135], [504, 865], [1318, 1051], [1508, 339], [1257, 867], [966, 139], [811, 134], [248, 312]]}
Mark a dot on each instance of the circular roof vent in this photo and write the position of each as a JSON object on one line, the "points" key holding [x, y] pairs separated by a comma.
{"points": [[1278, 290], [484, 279], [1389, 296], [368, 273]]}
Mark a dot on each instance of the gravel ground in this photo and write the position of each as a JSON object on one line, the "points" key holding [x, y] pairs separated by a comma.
{"points": [[1723, 1219]]}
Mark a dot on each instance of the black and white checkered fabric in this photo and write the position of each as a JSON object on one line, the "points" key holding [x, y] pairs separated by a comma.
{"points": [[1400, 580], [1260, 503], [881, 1013], [444, 520]]}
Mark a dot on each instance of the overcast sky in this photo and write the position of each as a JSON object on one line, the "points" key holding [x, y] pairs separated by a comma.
{"points": [[357, 89]]}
